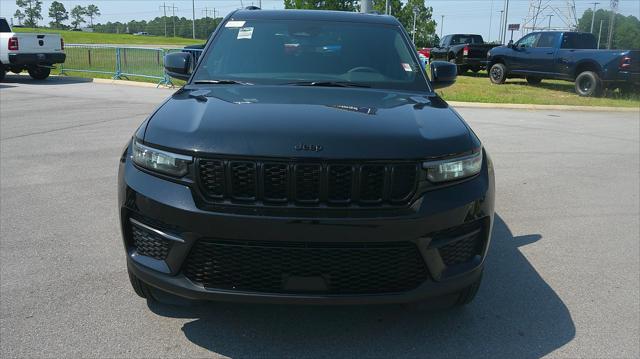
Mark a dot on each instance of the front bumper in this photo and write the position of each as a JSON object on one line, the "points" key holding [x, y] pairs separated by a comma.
{"points": [[171, 207], [37, 59]]}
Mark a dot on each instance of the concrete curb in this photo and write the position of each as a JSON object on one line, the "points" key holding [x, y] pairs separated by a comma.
{"points": [[130, 83], [516, 106]]}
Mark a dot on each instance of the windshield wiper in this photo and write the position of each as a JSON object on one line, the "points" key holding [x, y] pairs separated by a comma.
{"points": [[221, 82], [328, 84]]}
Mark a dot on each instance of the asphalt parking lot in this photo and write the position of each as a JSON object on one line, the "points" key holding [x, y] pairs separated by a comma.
{"points": [[562, 277]]}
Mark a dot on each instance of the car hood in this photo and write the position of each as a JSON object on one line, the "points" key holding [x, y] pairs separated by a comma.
{"points": [[296, 121]]}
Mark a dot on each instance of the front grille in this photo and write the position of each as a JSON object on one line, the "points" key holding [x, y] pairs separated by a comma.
{"points": [[292, 267], [150, 244], [301, 183]]}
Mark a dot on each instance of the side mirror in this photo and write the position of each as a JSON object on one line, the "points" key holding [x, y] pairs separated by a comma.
{"points": [[443, 74], [178, 65]]}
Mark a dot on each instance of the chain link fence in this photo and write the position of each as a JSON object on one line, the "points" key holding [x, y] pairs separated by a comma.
{"points": [[120, 62]]}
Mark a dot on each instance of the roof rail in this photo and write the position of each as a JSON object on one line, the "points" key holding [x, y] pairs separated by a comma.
{"points": [[251, 7]]}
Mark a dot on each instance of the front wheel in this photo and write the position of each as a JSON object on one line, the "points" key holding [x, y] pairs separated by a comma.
{"points": [[498, 73], [533, 80], [588, 84], [39, 73]]}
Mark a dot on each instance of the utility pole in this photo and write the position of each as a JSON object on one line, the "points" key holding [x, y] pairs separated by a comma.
{"points": [[600, 33], [441, 25], [506, 20], [193, 23], [593, 16], [614, 9], [490, 20], [173, 10], [206, 11], [164, 8], [500, 31], [386, 7], [549, 27]]}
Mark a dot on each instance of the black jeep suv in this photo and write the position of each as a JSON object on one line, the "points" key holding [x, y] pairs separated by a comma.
{"points": [[306, 160]]}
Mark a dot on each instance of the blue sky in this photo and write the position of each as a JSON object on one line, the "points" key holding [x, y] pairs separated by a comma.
{"points": [[465, 16]]}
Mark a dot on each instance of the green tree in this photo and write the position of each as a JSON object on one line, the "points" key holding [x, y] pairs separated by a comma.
{"points": [[59, 14], [92, 11], [19, 15], [626, 32], [32, 11], [342, 5], [425, 25], [395, 5], [78, 13]]}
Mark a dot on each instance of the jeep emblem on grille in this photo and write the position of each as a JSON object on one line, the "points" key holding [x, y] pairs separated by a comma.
{"points": [[306, 147]]}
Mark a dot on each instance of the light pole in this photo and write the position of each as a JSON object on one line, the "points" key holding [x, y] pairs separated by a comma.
{"points": [[193, 23], [506, 20], [441, 26], [415, 15], [600, 33], [593, 16], [549, 27], [490, 20]]}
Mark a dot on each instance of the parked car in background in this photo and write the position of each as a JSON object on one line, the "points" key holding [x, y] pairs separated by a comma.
{"points": [[424, 54], [468, 51], [36, 53], [570, 56], [141, 33], [195, 50]]}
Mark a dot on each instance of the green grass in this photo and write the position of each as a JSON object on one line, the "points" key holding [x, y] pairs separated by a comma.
{"points": [[477, 88], [79, 37]]}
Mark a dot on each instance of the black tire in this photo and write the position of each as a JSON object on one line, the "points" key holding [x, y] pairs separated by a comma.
{"points": [[498, 74], [139, 287], [39, 73], [475, 70], [467, 295], [2, 74], [588, 84], [533, 80]]}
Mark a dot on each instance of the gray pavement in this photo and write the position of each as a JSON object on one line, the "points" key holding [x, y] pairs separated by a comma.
{"points": [[562, 277]]}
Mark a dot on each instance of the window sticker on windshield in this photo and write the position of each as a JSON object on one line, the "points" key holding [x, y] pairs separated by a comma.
{"points": [[234, 24], [245, 33], [407, 67]]}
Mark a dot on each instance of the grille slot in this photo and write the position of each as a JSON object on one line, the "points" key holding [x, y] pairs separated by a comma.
{"points": [[243, 180], [150, 244], [307, 183], [343, 268]]}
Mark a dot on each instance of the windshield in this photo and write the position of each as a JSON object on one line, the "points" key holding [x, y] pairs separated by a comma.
{"points": [[292, 51]]}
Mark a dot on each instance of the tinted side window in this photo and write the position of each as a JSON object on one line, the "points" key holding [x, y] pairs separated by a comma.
{"points": [[4, 27], [528, 40], [547, 40], [578, 41]]}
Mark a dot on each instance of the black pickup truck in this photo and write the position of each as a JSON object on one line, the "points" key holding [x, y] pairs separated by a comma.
{"points": [[469, 52], [571, 56]]}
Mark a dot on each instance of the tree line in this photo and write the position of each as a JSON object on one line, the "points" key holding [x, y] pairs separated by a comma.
{"points": [[406, 13], [626, 29], [161, 26], [30, 11]]}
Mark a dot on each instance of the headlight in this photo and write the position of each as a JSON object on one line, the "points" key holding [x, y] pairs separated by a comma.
{"points": [[160, 161], [454, 169]]}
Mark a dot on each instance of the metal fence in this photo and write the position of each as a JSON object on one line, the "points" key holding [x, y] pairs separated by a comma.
{"points": [[120, 62]]}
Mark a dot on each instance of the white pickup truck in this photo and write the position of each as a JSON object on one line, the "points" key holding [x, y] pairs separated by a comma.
{"points": [[35, 53]]}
